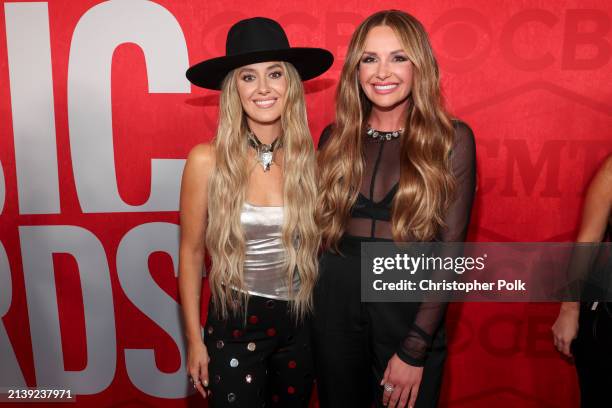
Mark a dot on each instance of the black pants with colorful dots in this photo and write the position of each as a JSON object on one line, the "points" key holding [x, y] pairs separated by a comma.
{"points": [[265, 361]]}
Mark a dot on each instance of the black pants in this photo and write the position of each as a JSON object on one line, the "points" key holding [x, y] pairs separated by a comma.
{"points": [[593, 355], [265, 361], [353, 341]]}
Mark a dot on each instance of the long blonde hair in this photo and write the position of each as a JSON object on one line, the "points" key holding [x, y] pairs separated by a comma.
{"points": [[227, 189], [426, 182]]}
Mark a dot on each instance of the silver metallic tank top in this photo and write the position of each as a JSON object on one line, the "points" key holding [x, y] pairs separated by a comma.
{"points": [[264, 272]]}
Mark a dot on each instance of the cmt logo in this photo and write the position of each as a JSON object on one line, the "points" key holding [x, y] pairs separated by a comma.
{"points": [[523, 167]]}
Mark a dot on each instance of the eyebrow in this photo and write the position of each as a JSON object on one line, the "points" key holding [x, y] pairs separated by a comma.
{"points": [[392, 52], [271, 67]]}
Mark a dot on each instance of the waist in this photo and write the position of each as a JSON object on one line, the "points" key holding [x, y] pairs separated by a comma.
{"points": [[351, 244], [265, 269]]}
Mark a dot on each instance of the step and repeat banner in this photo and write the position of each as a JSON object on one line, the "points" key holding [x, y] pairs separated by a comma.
{"points": [[97, 118]]}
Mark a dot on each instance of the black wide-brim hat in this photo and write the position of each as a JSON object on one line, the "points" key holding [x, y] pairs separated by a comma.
{"points": [[257, 40]]}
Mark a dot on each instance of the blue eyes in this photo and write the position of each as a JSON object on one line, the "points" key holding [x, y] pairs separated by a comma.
{"points": [[397, 58], [251, 77]]}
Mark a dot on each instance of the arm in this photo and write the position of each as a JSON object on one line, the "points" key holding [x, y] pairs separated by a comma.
{"points": [[597, 206], [193, 215], [405, 368], [413, 349]]}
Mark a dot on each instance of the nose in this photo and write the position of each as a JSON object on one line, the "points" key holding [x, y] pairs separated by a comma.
{"points": [[262, 85], [382, 71]]}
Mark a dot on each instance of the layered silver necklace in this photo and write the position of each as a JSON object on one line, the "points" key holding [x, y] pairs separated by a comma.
{"points": [[264, 152]]}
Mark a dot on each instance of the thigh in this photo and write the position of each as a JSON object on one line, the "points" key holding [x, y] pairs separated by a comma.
{"points": [[290, 367], [238, 354], [340, 335], [343, 368]]}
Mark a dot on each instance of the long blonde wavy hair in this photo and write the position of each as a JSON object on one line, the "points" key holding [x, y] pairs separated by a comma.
{"points": [[426, 183], [225, 238]]}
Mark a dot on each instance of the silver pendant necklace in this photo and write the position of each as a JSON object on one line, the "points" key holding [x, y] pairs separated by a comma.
{"points": [[265, 152]]}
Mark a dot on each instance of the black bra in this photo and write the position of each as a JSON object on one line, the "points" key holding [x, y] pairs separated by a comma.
{"points": [[375, 210]]}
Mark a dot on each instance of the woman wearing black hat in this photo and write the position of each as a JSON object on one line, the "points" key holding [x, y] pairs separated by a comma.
{"points": [[249, 198]]}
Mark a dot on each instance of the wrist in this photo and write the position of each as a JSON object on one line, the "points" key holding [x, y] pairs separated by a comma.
{"points": [[195, 343], [194, 339], [410, 360], [570, 307]]}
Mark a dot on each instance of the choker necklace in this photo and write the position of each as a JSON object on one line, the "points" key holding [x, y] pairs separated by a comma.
{"points": [[379, 135], [265, 152]]}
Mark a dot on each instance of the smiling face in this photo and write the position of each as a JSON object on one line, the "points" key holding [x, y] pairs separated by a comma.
{"points": [[262, 88], [385, 72]]}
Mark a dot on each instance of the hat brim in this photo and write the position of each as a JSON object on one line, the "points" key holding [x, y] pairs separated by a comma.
{"points": [[309, 62]]}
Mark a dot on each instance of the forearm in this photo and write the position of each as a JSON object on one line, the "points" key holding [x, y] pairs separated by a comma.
{"points": [[190, 286]]}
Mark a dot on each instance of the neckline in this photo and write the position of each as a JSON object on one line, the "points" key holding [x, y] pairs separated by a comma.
{"points": [[262, 206]]}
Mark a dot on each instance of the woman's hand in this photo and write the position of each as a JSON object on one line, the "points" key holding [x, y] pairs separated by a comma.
{"points": [[405, 380], [565, 328], [197, 366]]}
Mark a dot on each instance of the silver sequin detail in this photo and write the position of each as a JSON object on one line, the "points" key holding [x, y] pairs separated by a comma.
{"points": [[217, 378], [220, 344], [231, 397], [248, 378], [251, 346], [234, 363], [210, 330]]}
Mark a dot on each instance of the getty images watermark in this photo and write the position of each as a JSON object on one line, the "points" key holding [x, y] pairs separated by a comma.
{"points": [[504, 272]]}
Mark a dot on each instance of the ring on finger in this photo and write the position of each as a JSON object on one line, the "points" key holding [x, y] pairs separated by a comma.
{"points": [[389, 387]]}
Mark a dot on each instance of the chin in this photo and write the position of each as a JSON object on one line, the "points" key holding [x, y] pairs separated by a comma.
{"points": [[385, 102], [266, 119]]}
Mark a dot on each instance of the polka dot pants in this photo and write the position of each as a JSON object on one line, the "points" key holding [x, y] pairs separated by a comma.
{"points": [[263, 362]]}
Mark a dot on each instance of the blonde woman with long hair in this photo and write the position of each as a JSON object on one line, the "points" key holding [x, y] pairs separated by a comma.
{"points": [[249, 199], [393, 167]]}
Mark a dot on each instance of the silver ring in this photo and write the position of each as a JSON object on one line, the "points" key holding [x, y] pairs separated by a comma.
{"points": [[389, 387]]}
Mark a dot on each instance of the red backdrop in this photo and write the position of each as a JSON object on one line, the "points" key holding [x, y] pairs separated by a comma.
{"points": [[93, 101]]}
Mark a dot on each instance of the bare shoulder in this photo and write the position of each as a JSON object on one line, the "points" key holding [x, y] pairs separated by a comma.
{"points": [[602, 182], [201, 159], [606, 168], [203, 153]]}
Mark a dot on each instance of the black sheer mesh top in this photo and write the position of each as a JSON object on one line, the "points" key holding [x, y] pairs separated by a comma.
{"points": [[371, 216]]}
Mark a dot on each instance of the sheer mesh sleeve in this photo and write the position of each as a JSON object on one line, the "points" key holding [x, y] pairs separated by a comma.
{"points": [[413, 349]]}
